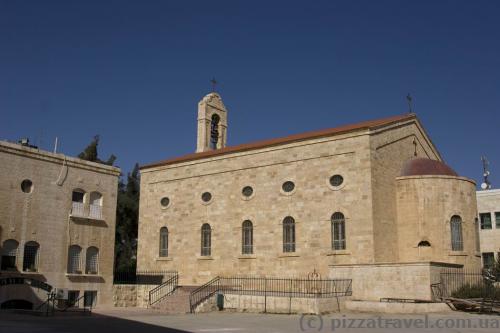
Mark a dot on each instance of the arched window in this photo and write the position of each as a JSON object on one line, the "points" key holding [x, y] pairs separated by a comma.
{"points": [[164, 242], [77, 206], [214, 131], [457, 243], [247, 237], [74, 255], [206, 240], [9, 254], [92, 260], [30, 260], [338, 231], [288, 234], [95, 207]]}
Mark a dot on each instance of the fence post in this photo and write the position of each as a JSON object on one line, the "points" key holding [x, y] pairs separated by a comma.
{"points": [[265, 295]]}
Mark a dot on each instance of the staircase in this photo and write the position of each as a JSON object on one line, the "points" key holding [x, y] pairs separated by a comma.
{"points": [[177, 302]]}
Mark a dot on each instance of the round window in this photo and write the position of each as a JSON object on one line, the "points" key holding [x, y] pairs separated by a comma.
{"points": [[247, 191], [288, 186], [165, 201], [26, 186], [206, 197], [336, 180]]}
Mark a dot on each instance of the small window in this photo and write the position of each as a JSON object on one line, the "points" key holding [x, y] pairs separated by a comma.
{"points": [[95, 207], [164, 242], [497, 220], [247, 191], [288, 234], [89, 298], [73, 296], [92, 260], [485, 220], [488, 259], [424, 243], [9, 254], [206, 196], [96, 199], [288, 186], [336, 180], [74, 257], [457, 243], [206, 240], [247, 237], [30, 260], [78, 196], [26, 186], [338, 231], [165, 201]]}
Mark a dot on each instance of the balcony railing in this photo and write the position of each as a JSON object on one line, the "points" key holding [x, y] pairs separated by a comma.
{"points": [[95, 212], [79, 209]]}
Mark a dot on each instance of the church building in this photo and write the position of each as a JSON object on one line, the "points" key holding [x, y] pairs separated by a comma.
{"points": [[371, 199]]}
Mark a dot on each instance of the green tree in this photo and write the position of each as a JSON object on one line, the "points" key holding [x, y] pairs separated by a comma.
{"points": [[90, 153], [127, 215]]}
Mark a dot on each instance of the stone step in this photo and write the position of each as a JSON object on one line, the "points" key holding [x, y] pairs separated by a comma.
{"points": [[177, 302]]}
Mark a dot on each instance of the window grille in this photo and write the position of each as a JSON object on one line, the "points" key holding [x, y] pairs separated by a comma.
{"points": [[288, 234], [456, 233], [247, 237], [338, 231], [206, 240]]}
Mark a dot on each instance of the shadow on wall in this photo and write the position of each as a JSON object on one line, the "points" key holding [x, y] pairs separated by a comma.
{"points": [[24, 295], [86, 278], [77, 324]]}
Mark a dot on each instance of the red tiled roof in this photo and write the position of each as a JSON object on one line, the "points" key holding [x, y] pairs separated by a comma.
{"points": [[425, 167], [371, 124]]}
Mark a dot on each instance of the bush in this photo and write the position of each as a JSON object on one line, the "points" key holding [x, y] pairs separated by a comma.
{"points": [[476, 291]]}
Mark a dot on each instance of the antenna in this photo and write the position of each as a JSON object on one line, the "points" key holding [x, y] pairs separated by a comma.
{"points": [[55, 146], [486, 185]]}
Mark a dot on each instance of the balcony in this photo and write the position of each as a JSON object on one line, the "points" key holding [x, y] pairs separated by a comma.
{"points": [[79, 210]]}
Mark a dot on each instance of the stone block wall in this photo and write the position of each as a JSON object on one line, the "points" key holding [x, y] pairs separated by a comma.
{"points": [[372, 282]]}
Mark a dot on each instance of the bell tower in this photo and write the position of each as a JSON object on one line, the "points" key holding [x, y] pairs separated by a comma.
{"points": [[212, 123]]}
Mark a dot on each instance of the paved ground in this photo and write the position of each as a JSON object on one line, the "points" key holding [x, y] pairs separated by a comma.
{"points": [[142, 321]]}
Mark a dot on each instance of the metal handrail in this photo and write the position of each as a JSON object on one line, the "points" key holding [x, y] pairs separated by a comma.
{"points": [[269, 286], [85, 309], [172, 282], [203, 293]]}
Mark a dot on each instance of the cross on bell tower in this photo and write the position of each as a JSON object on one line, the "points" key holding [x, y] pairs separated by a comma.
{"points": [[410, 104], [214, 83]]}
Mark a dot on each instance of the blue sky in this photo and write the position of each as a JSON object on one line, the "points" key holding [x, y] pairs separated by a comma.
{"points": [[133, 72]]}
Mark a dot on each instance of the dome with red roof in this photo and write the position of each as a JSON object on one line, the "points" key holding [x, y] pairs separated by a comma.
{"points": [[425, 167]]}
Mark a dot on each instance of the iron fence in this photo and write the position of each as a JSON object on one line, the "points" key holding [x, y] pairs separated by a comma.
{"points": [[464, 283], [163, 290], [142, 277], [271, 287]]}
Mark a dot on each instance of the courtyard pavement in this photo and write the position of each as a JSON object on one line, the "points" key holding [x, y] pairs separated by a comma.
{"points": [[142, 321]]}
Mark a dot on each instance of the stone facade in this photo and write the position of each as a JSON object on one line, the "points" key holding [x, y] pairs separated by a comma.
{"points": [[131, 295], [372, 199], [39, 220], [410, 280], [488, 204]]}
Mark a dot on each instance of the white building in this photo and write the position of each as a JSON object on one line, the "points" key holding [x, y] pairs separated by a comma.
{"points": [[488, 208]]}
